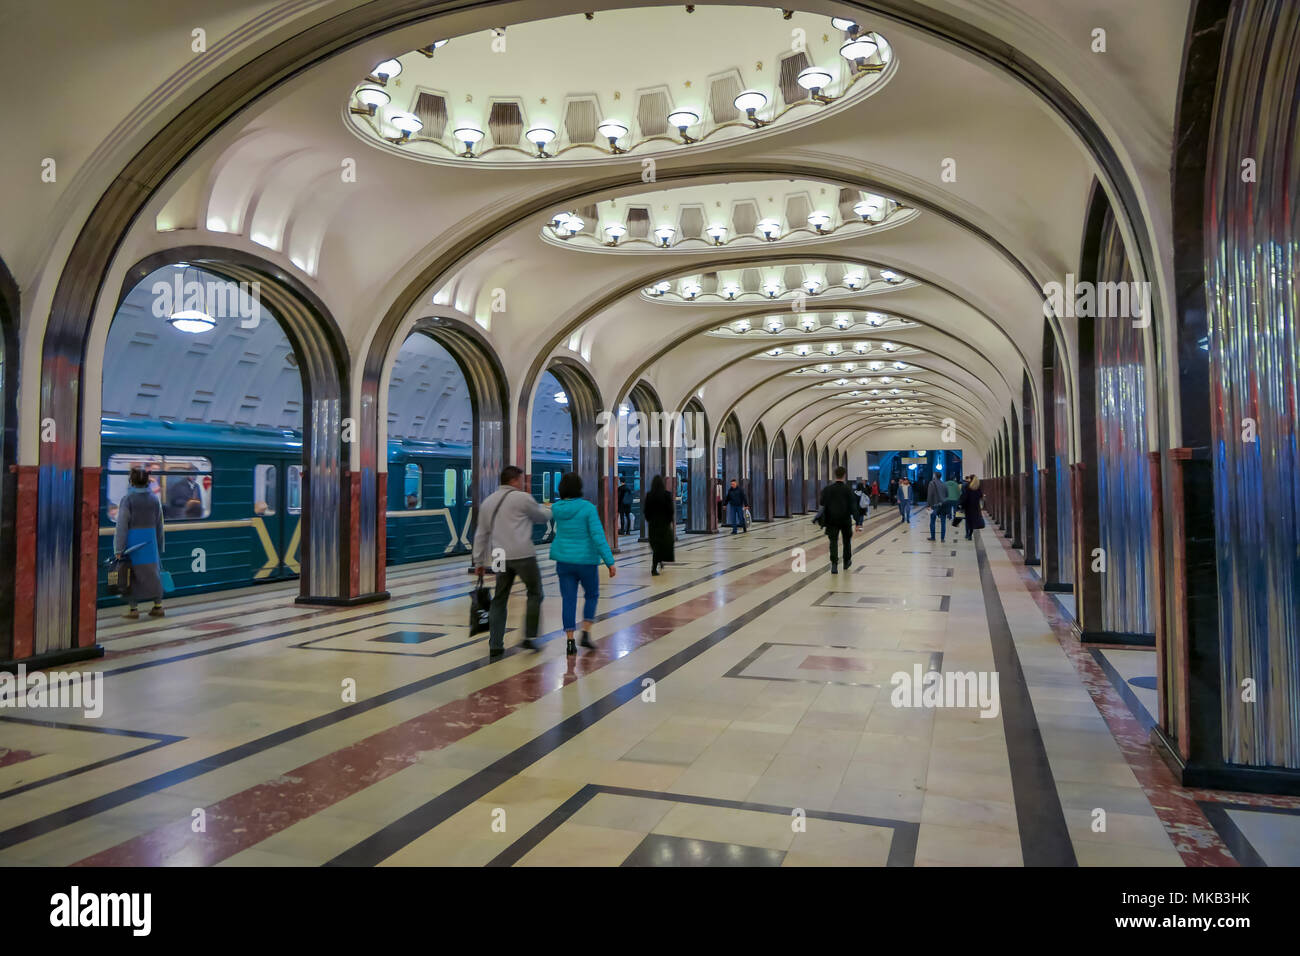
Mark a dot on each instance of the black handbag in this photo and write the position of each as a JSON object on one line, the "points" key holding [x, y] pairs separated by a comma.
{"points": [[118, 581], [480, 603]]}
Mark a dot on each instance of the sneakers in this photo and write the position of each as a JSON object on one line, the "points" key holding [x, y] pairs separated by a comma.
{"points": [[157, 611], [834, 569]]}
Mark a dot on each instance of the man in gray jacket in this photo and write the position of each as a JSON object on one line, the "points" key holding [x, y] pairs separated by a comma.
{"points": [[504, 534], [936, 496]]}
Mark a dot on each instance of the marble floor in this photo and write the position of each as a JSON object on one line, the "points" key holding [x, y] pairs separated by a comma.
{"points": [[745, 708]]}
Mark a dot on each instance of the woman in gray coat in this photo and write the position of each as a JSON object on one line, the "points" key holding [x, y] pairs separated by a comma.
{"points": [[140, 529]]}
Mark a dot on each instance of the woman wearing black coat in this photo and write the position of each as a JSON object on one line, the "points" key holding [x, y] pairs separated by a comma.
{"points": [[969, 502], [660, 518]]}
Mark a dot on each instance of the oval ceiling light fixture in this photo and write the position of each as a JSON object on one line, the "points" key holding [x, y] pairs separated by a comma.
{"points": [[770, 228], [540, 136], [435, 45], [814, 79], [691, 289], [812, 284], [661, 287], [861, 348], [469, 135], [715, 232], [775, 325], [370, 98], [665, 235], [809, 323], [854, 281], [869, 209], [615, 231], [842, 321], [684, 119], [561, 398], [751, 101], [613, 131], [385, 71], [890, 276], [844, 24], [876, 318], [191, 321], [731, 290]]}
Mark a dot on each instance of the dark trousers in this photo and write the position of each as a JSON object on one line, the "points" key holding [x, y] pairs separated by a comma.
{"points": [[625, 522], [939, 511], [836, 533], [527, 571]]}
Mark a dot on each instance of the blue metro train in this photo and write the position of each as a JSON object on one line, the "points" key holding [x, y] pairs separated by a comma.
{"points": [[232, 498]]}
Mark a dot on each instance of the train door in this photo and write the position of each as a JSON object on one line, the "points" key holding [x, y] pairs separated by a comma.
{"points": [[277, 512]]}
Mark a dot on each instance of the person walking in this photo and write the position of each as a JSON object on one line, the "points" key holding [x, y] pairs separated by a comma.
{"points": [[905, 500], [864, 504], [503, 541], [875, 492], [624, 507], [839, 512], [952, 494], [659, 514], [936, 496], [970, 506], [736, 504], [139, 539], [578, 547]]}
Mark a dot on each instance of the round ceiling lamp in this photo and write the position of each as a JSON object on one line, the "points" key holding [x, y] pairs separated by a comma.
{"points": [[770, 228], [371, 98], [406, 124], [684, 120], [751, 101], [845, 24], [716, 232], [814, 79], [665, 235], [386, 71], [858, 49], [613, 131], [615, 231], [469, 135], [540, 136], [189, 321], [819, 220]]}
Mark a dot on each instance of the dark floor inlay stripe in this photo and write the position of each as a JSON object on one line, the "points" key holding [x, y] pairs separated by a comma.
{"points": [[1044, 836]]}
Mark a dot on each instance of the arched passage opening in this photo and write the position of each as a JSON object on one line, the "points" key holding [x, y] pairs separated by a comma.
{"points": [[812, 479], [447, 400], [252, 356], [758, 488], [650, 449], [1029, 479], [701, 514], [824, 473], [566, 405], [730, 458], [780, 478], [798, 500]]}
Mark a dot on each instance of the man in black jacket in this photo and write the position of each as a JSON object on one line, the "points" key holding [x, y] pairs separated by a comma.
{"points": [[839, 511]]}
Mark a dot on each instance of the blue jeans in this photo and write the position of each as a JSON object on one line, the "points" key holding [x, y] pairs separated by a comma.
{"points": [[570, 575], [905, 508], [939, 511]]}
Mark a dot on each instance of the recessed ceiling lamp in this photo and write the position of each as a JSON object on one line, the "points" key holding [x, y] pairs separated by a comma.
{"points": [[770, 228], [539, 136], [716, 232], [731, 290], [469, 135], [615, 231], [853, 281], [613, 131], [691, 289], [684, 120], [819, 220], [370, 98], [814, 79], [384, 72], [857, 51], [751, 101], [665, 235]]}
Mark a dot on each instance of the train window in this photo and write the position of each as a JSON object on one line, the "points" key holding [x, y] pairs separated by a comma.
{"points": [[294, 504], [555, 493], [264, 477], [413, 486], [449, 488], [546, 487], [181, 483], [469, 497]]}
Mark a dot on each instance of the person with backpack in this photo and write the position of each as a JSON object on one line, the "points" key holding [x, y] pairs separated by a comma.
{"points": [[839, 511], [507, 533], [936, 496], [578, 549], [864, 503]]}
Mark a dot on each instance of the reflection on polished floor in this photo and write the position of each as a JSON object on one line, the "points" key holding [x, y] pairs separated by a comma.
{"points": [[736, 712]]}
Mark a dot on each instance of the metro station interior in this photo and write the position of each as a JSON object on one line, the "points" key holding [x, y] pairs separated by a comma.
{"points": [[322, 271]]}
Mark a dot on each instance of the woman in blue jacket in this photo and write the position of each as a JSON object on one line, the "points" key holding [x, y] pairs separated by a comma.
{"points": [[578, 547]]}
